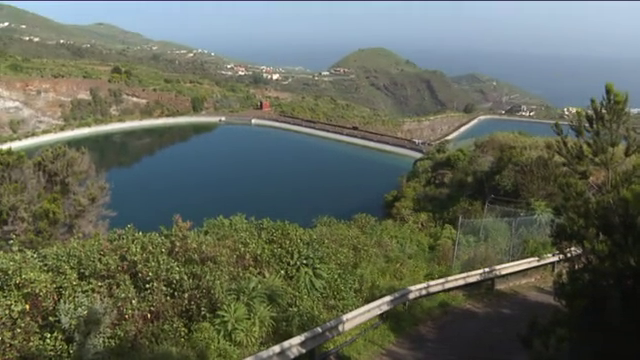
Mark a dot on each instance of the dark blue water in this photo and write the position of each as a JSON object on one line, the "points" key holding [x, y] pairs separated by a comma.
{"points": [[207, 171], [204, 171], [489, 126]]}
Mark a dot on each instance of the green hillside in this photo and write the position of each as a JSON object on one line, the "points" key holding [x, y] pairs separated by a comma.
{"points": [[373, 78], [376, 58], [485, 89], [23, 23], [380, 79]]}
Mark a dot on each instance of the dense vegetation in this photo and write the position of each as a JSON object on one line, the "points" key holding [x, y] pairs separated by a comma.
{"points": [[226, 289], [450, 183], [589, 182], [598, 201], [50, 198], [237, 285]]}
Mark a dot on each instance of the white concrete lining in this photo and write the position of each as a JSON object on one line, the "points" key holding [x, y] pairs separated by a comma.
{"points": [[107, 128], [475, 121], [157, 122]]}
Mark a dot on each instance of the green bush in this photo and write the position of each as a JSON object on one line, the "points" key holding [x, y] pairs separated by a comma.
{"points": [[227, 289]]}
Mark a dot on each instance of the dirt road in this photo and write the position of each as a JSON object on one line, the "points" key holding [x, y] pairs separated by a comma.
{"points": [[480, 330]]}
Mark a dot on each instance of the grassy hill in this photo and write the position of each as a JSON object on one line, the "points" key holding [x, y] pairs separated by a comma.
{"points": [[380, 79], [487, 90], [30, 35], [23, 23], [376, 58]]}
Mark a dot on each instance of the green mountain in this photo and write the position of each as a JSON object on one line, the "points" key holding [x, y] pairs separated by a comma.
{"points": [[25, 24], [380, 79]]}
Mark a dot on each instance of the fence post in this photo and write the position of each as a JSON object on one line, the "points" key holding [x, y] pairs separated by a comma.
{"points": [[484, 216], [455, 247], [512, 237]]}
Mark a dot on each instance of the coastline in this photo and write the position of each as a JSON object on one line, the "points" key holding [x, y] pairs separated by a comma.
{"points": [[452, 135], [157, 122]]}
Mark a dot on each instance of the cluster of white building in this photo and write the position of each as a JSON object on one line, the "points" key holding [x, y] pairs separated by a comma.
{"points": [[8, 24], [571, 110], [191, 53], [268, 72]]}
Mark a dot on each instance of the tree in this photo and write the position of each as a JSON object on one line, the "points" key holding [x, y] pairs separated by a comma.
{"points": [[258, 79], [51, 197], [128, 74], [469, 108], [116, 70], [597, 154], [197, 104], [599, 209], [15, 125], [117, 96]]}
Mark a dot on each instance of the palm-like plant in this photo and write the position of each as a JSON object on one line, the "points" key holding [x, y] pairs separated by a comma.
{"points": [[248, 318]]}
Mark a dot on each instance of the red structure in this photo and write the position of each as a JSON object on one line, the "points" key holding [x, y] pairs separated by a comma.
{"points": [[265, 105]]}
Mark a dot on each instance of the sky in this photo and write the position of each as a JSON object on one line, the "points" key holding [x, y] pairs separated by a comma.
{"points": [[602, 29]]}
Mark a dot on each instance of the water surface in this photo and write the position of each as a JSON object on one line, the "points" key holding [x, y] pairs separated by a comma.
{"points": [[488, 126], [203, 171]]}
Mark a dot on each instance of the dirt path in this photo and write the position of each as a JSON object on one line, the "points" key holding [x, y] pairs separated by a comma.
{"points": [[480, 330]]}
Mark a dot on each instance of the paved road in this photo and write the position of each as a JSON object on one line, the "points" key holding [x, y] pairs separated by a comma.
{"points": [[480, 330]]}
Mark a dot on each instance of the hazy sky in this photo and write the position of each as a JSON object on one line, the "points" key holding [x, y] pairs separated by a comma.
{"points": [[599, 28]]}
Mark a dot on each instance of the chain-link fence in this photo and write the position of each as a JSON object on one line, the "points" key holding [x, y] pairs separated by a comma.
{"points": [[496, 238]]}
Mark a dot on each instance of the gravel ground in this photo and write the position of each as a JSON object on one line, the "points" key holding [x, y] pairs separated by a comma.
{"points": [[485, 329]]}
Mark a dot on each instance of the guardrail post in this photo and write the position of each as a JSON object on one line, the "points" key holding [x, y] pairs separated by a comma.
{"points": [[494, 284], [312, 354]]}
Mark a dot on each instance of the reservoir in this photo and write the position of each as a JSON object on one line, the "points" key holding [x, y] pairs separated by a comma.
{"points": [[203, 171], [490, 126], [207, 170]]}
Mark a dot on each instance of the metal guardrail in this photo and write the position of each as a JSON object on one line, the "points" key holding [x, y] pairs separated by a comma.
{"points": [[313, 338]]}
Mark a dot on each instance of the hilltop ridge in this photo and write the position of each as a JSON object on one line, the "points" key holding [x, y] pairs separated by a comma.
{"points": [[24, 24], [377, 58]]}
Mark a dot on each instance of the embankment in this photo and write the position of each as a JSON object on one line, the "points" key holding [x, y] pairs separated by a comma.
{"points": [[347, 131], [382, 142], [340, 137]]}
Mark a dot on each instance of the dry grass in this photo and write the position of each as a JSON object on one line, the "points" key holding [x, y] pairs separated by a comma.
{"points": [[432, 128]]}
